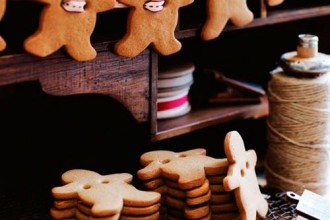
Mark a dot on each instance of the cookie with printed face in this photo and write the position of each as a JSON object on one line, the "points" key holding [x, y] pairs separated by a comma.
{"points": [[2, 12], [242, 178], [68, 24], [151, 22], [219, 12]]}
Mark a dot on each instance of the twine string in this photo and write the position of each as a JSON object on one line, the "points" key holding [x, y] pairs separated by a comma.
{"points": [[298, 154]]}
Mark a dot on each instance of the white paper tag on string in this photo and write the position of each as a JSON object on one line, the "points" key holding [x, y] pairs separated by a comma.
{"points": [[311, 205]]}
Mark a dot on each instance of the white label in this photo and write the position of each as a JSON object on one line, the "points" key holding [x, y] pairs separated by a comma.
{"points": [[154, 5], [74, 5]]}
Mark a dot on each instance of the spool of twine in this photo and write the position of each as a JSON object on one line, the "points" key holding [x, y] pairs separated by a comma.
{"points": [[298, 134]]}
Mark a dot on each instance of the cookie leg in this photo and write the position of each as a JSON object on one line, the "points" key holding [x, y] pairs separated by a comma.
{"points": [[81, 50], [263, 208], [2, 44], [242, 15], [3, 4], [167, 45], [216, 20], [131, 46], [274, 2], [250, 214], [42, 45]]}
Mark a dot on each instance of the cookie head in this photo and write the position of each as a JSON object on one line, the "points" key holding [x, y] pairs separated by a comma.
{"points": [[234, 147]]}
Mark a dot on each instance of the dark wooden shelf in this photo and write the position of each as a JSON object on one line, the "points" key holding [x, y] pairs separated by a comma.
{"points": [[204, 117], [125, 79], [21, 67]]}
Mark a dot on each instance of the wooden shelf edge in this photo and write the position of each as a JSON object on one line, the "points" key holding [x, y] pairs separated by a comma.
{"points": [[288, 15], [273, 17], [202, 118]]}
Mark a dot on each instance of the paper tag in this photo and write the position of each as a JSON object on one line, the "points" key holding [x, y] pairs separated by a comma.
{"points": [[311, 205]]}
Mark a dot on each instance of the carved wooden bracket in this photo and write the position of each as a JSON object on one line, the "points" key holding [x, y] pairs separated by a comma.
{"points": [[125, 79]]}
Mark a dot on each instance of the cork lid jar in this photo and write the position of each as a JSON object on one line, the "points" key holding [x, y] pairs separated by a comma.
{"points": [[306, 60]]}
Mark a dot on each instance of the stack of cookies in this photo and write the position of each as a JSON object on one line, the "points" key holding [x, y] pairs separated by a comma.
{"points": [[88, 195], [179, 185], [190, 184], [174, 82], [222, 203]]}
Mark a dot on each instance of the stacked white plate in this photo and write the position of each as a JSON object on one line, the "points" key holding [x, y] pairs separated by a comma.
{"points": [[173, 87]]}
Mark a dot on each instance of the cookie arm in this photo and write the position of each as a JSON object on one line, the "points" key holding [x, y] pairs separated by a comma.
{"points": [[232, 180], [68, 191], [151, 171], [252, 158]]}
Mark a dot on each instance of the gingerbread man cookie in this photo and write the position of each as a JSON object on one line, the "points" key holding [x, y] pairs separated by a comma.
{"points": [[151, 22], [105, 195], [68, 23], [274, 2], [2, 12], [187, 168], [219, 12], [241, 178]]}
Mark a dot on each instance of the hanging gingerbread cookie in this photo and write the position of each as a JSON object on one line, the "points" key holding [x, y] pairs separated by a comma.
{"points": [[151, 22], [219, 12], [2, 12], [68, 24]]}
